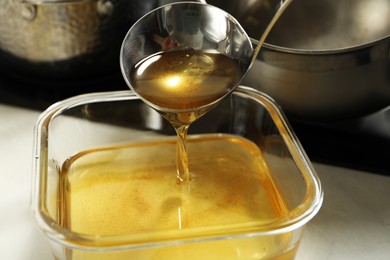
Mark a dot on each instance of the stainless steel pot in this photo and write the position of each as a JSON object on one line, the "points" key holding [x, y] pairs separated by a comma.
{"points": [[324, 59], [65, 38]]}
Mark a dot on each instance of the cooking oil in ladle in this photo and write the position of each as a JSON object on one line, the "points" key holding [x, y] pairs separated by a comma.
{"points": [[183, 85]]}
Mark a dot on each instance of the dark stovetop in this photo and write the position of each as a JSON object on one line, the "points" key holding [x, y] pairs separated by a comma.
{"points": [[39, 94], [346, 144], [360, 144]]}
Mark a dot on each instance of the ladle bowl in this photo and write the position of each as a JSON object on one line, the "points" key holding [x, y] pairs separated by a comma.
{"points": [[184, 26], [197, 26]]}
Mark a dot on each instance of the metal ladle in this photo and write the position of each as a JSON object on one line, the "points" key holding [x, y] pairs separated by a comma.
{"points": [[188, 26]]}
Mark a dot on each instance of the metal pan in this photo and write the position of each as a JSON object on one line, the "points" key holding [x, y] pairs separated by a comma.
{"points": [[62, 39], [323, 60]]}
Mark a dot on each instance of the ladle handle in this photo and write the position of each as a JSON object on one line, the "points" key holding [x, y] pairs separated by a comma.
{"points": [[279, 6]]}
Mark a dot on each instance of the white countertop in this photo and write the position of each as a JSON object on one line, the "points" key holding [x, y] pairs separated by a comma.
{"points": [[353, 223]]}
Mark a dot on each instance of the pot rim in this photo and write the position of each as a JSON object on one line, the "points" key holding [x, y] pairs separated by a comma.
{"points": [[351, 48]]}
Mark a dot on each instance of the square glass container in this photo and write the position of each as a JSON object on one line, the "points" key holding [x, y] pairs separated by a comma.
{"points": [[117, 121]]}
